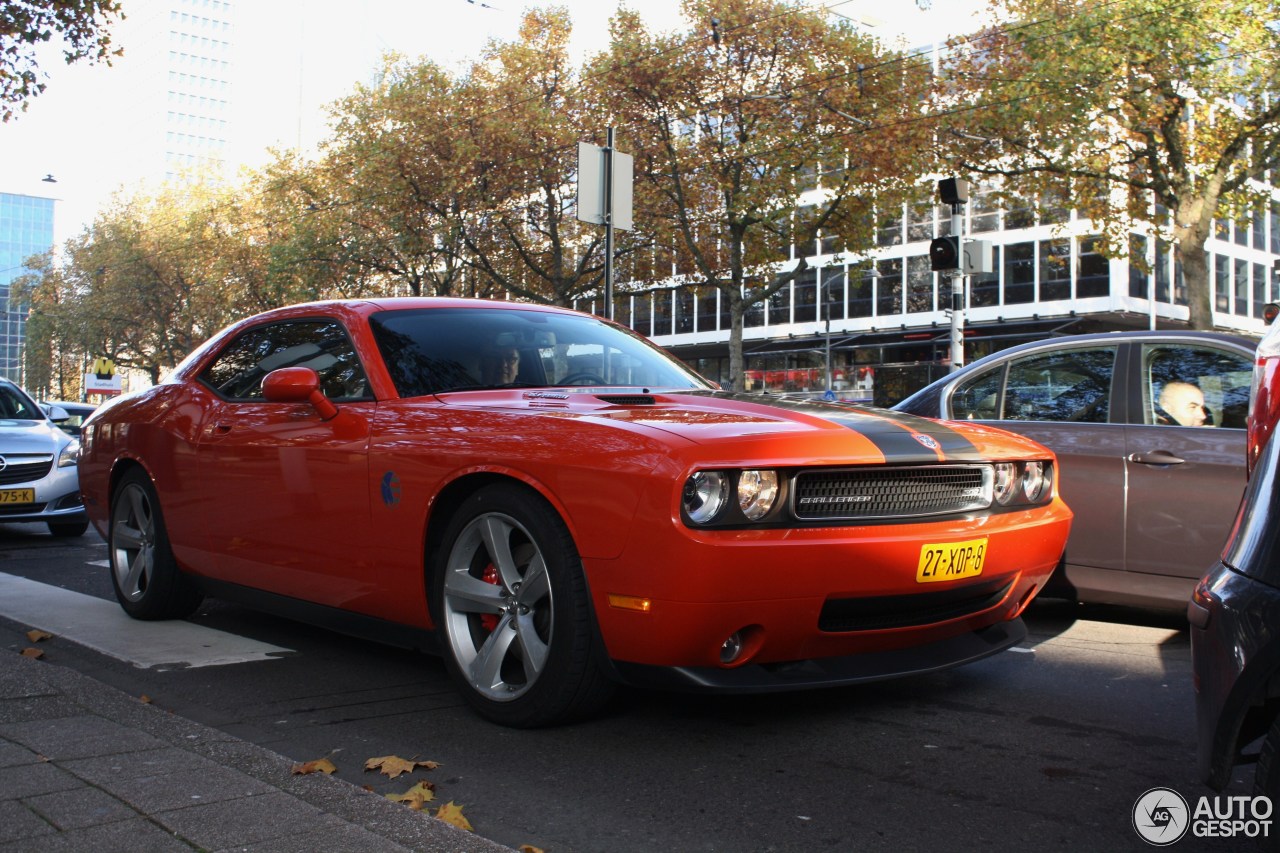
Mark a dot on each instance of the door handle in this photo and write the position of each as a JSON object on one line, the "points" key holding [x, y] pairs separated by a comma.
{"points": [[1156, 457]]}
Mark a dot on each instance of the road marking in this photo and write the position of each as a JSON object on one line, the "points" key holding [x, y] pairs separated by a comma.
{"points": [[104, 627]]}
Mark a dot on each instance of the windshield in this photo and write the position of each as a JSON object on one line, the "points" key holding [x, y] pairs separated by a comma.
{"points": [[438, 350], [17, 406]]}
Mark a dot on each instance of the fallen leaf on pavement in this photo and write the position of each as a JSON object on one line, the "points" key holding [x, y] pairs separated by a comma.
{"points": [[452, 813], [322, 765], [37, 635], [394, 765], [529, 848], [32, 653], [416, 797], [144, 699]]}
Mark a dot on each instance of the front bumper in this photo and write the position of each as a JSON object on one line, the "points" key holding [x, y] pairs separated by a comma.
{"points": [[63, 508], [830, 672]]}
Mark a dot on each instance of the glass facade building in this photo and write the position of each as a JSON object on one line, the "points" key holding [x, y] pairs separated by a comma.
{"points": [[26, 229]]}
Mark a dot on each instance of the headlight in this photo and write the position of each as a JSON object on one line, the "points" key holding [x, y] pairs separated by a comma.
{"points": [[757, 491], [69, 454], [704, 494], [1035, 480], [1006, 482]]}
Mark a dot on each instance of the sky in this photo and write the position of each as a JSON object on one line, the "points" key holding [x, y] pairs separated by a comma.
{"points": [[298, 56]]}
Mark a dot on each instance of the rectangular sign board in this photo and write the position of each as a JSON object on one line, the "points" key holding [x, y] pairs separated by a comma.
{"points": [[591, 200]]}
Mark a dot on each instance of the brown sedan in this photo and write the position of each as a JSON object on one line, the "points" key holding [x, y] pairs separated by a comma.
{"points": [[1149, 428]]}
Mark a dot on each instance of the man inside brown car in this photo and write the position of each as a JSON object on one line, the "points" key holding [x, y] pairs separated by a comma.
{"points": [[1182, 404]]}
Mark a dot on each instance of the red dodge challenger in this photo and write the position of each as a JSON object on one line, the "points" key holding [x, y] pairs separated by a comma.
{"points": [[557, 506]]}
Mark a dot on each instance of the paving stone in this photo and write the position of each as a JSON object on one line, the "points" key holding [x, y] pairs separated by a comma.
{"points": [[30, 780], [127, 836], [78, 737], [164, 791], [19, 822], [246, 821], [79, 808], [14, 754]]}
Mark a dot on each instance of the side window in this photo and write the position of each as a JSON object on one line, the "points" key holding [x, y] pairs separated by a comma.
{"points": [[1067, 385], [1195, 385], [322, 345]]}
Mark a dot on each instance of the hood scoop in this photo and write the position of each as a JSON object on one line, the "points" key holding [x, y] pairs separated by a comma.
{"points": [[628, 399]]}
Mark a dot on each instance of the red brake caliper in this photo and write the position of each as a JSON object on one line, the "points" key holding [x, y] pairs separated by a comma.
{"points": [[489, 621]]}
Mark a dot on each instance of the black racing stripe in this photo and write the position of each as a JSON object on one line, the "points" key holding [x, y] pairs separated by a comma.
{"points": [[891, 432]]}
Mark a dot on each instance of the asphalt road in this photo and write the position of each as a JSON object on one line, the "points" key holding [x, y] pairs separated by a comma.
{"points": [[1045, 747]]}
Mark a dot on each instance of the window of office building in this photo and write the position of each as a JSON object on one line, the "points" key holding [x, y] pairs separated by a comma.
{"points": [[1138, 282], [684, 308], [806, 297], [1019, 273], [1055, 270], [1241, 305], [920, 288], [1222, 283], [889, 287], [1093, 270], [662, 309], [862, 281], [984, 289], [780, 306], [1259, 289], [889, 232], [832, 294], [1163, 261], [708, 306]]}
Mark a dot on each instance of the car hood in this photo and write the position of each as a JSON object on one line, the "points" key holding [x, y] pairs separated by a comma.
{"points": [[28, 437], [834, 430]]}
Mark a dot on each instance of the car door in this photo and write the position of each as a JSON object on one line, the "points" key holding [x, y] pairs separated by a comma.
{"points": [[285, 494], [1185, 480], [1062, 397]]}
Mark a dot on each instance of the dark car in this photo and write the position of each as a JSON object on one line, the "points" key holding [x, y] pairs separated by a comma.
{"points": [[1235, 641], [1149, 429]]}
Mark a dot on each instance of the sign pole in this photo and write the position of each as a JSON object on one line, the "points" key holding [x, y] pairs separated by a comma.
{"points": [[608, 227]]}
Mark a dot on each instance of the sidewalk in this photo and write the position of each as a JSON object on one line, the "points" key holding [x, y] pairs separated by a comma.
{"points": [[83, 767]]}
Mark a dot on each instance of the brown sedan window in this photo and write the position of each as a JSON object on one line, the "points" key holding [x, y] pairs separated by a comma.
{"points": [[1067, 385]]}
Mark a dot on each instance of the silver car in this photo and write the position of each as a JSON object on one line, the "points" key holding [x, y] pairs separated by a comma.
{"points": [[38, 477], [1149, 428]]}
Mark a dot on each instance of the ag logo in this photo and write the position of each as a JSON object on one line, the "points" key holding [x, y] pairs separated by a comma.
{"points": [[1161, 816]]}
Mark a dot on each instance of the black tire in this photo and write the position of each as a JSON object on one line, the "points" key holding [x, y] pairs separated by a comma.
{"points": [[148, 583], [1266, 778], [515, 626], [67, 529]]}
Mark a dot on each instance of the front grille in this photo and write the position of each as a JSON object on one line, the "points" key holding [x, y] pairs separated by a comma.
{"points": [[904, 611], [837, 494], [24, 468]]}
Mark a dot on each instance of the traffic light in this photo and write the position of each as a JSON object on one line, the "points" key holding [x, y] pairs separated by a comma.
{"points": [[944, 254]]}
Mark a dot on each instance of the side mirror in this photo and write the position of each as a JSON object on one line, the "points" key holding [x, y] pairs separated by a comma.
{"points": [[58, 414], [298, 385]]}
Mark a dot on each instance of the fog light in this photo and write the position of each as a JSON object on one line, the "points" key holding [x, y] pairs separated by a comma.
{"points": [[732, 648]]}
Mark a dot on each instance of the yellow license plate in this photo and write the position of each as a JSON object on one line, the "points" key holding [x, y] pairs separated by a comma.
{"points": [[17, 496], [950, 561]]}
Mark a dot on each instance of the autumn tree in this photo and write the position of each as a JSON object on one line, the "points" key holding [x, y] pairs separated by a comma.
{"points": [[1142, 112], [82, 26], [387, 188], [763, 126], [525, 114], [143, 283]]}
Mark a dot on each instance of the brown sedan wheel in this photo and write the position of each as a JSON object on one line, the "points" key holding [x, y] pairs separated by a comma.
{"points": [[146, 577]]}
